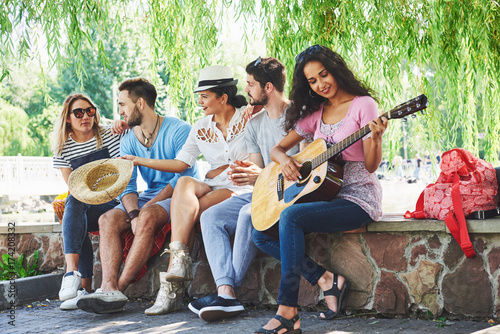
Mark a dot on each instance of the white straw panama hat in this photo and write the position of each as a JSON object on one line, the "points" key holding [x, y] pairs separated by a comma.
{"points": [[100, 181], [215, 76]]}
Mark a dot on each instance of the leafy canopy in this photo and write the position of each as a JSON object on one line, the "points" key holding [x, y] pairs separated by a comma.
{"points": [[448, 50]]}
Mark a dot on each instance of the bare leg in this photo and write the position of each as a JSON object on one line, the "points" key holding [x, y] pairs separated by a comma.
{"points": [[151, 219], [286, 312], [111, 224], [226, 290], [191, 197], [71, 261], [87, 284]]}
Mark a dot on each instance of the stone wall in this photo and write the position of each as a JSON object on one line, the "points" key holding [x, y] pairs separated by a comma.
{"points": [[390, 272]]}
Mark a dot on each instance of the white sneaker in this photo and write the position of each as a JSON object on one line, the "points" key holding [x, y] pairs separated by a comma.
{"points": [[71, 283], [70, 304]]}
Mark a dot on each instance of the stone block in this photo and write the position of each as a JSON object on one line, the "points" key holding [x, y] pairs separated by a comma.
{"points": [[54, 255], [479, 244], [250, 288], [348, 257], [308, 294], [203, 282], [434, 242], [467, 290], [143, 287], [391, 295], [270, 276], [453, 254], [28, 244], [388, 250], [416, 253], [423, 284], [494, 259]]}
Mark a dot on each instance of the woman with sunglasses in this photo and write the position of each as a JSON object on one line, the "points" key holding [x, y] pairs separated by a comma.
{"points": [[80, 139], [329, 103], [219, 137]]}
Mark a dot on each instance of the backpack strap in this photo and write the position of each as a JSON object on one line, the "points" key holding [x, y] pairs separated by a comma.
{"points": [[419, 212], [456, 222]]}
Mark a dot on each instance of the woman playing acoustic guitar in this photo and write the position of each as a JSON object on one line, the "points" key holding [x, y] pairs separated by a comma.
{"points": [[329, 103]]}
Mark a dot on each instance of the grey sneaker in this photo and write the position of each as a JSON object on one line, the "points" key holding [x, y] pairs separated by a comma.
{"points": [[102, 302], [70, 304], [71, 283], [196, 305]]}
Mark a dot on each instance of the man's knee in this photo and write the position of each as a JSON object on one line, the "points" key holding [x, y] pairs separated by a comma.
{"points": [[150, 219], [113, 220]]}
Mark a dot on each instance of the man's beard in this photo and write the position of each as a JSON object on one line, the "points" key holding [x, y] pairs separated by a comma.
{"points": [[262, 101], [135, 118]]}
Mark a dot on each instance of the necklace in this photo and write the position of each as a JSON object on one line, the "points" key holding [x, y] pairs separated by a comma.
{"points": [[146, 140]]}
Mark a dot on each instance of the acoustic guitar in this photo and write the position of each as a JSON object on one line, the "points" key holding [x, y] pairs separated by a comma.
{"points": [[321, 172]]}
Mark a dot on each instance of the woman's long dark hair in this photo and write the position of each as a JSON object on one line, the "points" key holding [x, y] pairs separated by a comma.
{"points": [[304, 100], [236, 101]]}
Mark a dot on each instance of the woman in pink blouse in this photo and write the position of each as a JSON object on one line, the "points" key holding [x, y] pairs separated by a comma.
{"points": [[329, 103]]}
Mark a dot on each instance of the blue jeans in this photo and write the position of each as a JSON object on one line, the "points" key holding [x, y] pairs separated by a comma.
{"points": [[79, 219], [218, 224], [296, 221]]}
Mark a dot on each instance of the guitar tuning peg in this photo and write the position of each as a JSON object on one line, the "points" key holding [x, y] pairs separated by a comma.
{"points": [[404, 119], [422, 112], [413, 116]]}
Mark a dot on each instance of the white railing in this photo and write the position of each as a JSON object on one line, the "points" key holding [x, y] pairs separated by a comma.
{"points": [[21, 176]]}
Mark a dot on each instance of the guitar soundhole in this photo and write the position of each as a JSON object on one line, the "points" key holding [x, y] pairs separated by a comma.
{"points": [[305, 170]]}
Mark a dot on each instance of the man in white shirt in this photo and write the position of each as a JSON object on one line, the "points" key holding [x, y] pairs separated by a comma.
{"points": [[265, 86]]}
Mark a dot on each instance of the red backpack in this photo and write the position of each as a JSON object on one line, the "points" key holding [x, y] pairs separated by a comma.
{"points": [[467, 186]]}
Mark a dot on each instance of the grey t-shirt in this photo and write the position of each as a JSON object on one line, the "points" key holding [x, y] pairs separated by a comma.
{"points": [[262, 133]]}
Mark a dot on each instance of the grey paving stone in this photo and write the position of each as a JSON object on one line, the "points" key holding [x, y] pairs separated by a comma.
{"points": [[46, 317]]}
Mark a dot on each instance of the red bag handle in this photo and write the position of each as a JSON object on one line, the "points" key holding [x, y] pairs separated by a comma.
{"points": [[465, 158], [456, 222], [419, 212]]}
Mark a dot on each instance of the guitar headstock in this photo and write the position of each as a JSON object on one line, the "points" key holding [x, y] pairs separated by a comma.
{"points": [[409, 107]]}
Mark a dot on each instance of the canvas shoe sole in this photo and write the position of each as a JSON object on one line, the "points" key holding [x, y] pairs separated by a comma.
{"points": [[221, 308], [196, 305], [102, 302], [70, 304]]}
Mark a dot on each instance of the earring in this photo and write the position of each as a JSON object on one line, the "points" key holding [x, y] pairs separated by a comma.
{"points": [[311, 94], [304, 107]]}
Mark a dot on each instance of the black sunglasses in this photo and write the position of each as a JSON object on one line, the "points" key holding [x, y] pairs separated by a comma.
{"points": [[309, 51], [258, 62], [79, 112]]}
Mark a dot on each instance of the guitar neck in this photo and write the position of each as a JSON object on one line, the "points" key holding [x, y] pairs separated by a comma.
{"points": [[342, 145]]}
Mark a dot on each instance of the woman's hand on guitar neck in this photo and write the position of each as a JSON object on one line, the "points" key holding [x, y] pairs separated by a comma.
{"points": [[378, 127], [290, 168]]}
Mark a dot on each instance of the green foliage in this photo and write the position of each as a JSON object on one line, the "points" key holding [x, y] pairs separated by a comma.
{"points": [[448, 50], [11, 268], [14, 130]]}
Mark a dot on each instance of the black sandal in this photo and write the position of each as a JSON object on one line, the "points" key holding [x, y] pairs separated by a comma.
{"points": [[334, 291], [285, 323]]}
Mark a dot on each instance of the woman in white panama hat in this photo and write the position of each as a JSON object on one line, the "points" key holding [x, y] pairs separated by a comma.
{"points": [[79, 139], [220, 138]]}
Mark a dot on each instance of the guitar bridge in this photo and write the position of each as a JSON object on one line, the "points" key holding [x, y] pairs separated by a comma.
{"points": [[279, 186]]}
